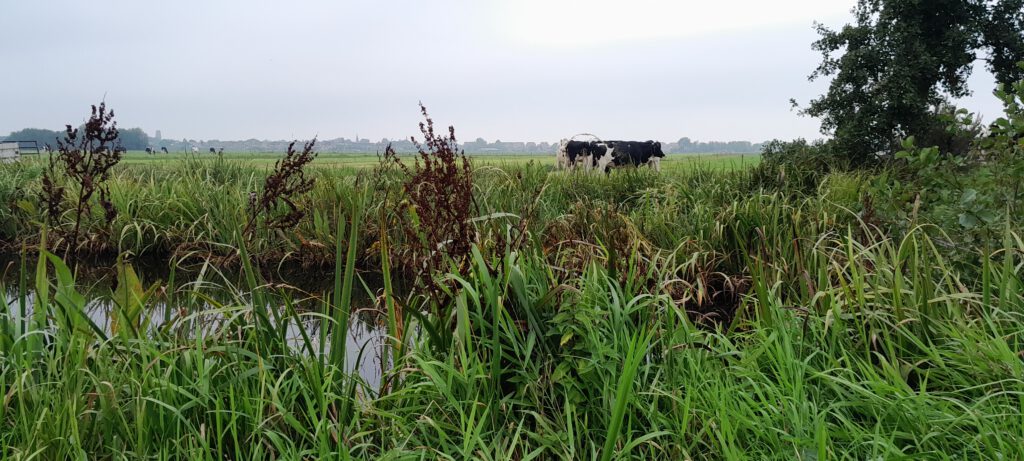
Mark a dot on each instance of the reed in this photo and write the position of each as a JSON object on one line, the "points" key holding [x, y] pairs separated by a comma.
{"points": [[687, 315]]}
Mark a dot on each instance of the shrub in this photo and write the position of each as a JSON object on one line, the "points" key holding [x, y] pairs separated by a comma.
{"points": [[796, 165], [953, 130], [81, 168], [282, 187], [439, 204], [973, 198]]}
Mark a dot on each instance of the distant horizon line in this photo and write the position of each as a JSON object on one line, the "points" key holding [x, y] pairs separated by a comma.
{"points": [[385, 140]]}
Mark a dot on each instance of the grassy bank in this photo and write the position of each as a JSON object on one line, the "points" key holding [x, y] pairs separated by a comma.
{"points": [[177, 207], [355, 160], [687, 315]]}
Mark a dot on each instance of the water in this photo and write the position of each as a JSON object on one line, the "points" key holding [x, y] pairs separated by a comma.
{"points": [[204, 300]]}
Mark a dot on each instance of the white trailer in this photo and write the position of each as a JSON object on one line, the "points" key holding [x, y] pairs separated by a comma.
{"points": [[9, 152]]}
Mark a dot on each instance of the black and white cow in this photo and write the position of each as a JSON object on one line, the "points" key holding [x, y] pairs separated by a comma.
{"points": [[603, 155], [581, 154], [150, 150], [163, 149], [636, 153]]}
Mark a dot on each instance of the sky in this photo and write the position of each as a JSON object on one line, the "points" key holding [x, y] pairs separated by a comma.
{"points": [[525, 70]]}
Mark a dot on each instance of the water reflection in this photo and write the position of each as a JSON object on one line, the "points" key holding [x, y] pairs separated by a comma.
{"points": [[205, 301]]}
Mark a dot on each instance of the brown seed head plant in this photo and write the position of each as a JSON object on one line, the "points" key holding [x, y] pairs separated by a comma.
{"points": [[282, 187], [439, 205], [81, 168]]}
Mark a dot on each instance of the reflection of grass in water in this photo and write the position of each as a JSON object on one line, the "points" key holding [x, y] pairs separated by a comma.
{"points": [[96, 277], [191, 305]]}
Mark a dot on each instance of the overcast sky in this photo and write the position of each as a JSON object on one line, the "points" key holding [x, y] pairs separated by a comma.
{"points": [[517, 70]]}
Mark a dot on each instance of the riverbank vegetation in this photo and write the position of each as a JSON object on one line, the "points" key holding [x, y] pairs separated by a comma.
{"points": [[860, 297], [770, 312]]}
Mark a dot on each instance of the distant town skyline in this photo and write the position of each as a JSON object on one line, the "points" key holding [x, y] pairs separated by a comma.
{"points": [[137, 139], [156, 136]]}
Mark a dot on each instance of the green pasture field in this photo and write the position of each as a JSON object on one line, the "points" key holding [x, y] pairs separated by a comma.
{"points": [[359, 160]]}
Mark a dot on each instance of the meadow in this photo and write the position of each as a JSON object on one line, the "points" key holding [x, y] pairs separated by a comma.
{"points": [[714, 310], [350, 160]]}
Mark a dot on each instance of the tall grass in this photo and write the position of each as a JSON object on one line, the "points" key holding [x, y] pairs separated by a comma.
{"points": [[195, 207], [590, 341]]}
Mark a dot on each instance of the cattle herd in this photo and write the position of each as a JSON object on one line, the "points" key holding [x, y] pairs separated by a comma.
{"points": [[582, 155], [193, 149], [605, 155]]}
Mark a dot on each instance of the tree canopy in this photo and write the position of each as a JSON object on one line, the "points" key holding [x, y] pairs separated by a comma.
{"points": [[900, 60], [133, 139], [39, 135], [130, 138]]}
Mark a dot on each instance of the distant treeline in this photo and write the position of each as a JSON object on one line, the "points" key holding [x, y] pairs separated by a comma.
{"points": [[685, 146], [137, 139], [131, 138]]}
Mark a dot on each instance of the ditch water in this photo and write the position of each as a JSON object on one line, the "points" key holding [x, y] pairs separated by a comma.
{"points": [[204, 299]]}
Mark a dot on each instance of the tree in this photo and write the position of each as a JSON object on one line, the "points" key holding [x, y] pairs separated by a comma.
{"points": [[41, 136], [1003, 33], [902, 59], [134, 139]]}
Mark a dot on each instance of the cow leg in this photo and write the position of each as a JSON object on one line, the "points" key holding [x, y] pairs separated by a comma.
{"points": [[654, 163]]}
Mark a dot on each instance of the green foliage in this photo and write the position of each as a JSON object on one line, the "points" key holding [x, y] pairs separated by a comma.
{"points": [[133, 138], [797, 165], [1004, 33], [971, 198], [902, 58], [700, 313], [953, 130], [17, 202], [885, 340], [686, 145], [129, 298], [42, 137]]}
